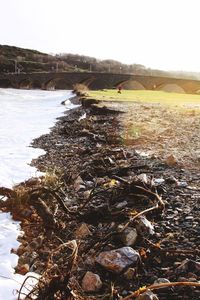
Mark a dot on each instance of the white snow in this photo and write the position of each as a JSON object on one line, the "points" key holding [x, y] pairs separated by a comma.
{"points": [[24, 115]]}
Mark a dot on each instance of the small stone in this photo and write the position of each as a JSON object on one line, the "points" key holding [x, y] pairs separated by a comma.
{"points": [[144, 226], [124, 293], [82, 232], [21, 250], [143, 178], [189, 218], [122, 204], [23, 269], [171, 161], [182, 184], [129, 236], [89, 184], [130, 274], [86, 194], [161, 280], [91, 282], [119, 259], [159, 181], [147, 296], [78, 184]]}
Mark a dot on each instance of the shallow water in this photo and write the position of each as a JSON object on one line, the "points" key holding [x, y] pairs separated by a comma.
{"points": [[24, 115]]}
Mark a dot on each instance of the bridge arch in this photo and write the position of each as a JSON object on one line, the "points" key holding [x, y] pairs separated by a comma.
{"points": [[86, 82], [131, 85], [25, 84], [36, 84], [58, 84], [98, 84], [170, 87]]}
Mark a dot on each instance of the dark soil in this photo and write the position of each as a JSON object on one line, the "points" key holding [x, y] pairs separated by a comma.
{"points": [[103, 184]]}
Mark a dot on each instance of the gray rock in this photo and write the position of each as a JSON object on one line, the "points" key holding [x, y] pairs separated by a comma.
{"points": [[188, 265], [161, 280], [129, 236], [182, 184], [144, 226], [122, 204], [79, 184], [189, 218], [118, 260]]}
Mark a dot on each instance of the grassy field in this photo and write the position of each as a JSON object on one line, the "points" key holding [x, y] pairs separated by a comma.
{"points": [[159, 123], [146, 96]]}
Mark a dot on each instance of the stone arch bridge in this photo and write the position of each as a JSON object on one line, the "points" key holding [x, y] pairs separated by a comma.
{"points": [[67, 80]]}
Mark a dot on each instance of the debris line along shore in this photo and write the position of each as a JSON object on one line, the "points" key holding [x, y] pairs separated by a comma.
{"points": [[106, 222]]}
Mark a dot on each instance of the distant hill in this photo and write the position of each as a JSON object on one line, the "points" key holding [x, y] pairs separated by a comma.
{"points": [[26, 60], [15, 59]]}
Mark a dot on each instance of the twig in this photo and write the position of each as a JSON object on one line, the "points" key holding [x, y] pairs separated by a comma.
{"points": [[22, 286], [92, 194], [153, 194], [138, 215], [159, 286], [112, 288], [61, 202], [120, 179], [6, 192]]}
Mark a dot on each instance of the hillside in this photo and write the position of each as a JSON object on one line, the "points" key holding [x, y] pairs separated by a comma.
{"points": [[14, 59]]}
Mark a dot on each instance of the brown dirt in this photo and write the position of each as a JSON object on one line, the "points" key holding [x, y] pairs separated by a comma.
{"points": [[163, 131]]}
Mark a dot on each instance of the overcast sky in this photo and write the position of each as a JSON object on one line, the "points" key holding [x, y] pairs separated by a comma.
{"points": [[162, 34]]}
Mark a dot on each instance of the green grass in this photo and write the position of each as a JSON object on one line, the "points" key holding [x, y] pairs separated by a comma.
{"points": [[146, 96]]}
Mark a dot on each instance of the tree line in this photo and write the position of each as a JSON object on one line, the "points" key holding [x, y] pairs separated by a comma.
{"points": [[16, 60]]}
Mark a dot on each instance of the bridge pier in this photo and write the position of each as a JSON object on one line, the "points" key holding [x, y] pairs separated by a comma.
{"points": [[43, 86]]}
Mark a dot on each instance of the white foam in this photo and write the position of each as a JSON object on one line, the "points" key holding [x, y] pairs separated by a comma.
{"points": [[24, 115]]}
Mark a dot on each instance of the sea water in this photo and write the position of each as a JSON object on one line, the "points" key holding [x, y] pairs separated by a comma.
{"points": [[24, 115]]}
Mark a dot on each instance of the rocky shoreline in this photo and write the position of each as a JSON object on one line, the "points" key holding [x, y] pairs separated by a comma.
{"points": [[105, 221]]}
